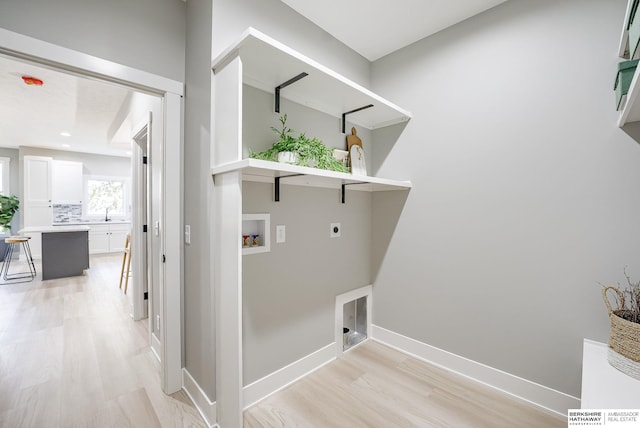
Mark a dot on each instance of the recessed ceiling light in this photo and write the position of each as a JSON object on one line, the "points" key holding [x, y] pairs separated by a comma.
{"points": [[65, 134], [66, 145]]}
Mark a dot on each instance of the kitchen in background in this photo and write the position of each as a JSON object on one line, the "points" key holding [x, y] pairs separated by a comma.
{"points": [[63, 188], [68, 142]]}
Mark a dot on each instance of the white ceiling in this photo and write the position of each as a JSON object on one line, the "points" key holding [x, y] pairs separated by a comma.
{"points": [[375, 28], [89, 110], [36, 115]]}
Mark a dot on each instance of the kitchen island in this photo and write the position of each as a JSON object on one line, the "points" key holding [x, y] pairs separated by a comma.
{"points": [[65, 250]]}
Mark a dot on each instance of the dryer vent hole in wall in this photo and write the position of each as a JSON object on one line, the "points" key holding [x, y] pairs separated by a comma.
{"points": [[354, 316]]}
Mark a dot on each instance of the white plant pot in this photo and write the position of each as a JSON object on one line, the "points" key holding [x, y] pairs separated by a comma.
{"points": [[288, 157]]}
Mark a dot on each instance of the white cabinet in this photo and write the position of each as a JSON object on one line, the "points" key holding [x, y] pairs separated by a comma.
{"points": [[67, 183], [118, 236], [36, 208], [604, 387], [107, 238], [261, 62], [37, 191], [98, 239]]}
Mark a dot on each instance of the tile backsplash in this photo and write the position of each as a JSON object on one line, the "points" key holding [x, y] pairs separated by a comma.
{"points": [[67, 213]]}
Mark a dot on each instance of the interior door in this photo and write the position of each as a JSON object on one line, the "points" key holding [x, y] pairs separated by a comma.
{"points": [[141, 221]]}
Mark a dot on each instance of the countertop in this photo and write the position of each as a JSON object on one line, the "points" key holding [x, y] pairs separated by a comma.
{"points": [[50, 229], [90, 222]]}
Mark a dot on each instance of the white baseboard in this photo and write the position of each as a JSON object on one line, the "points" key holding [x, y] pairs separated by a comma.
{"points": [[274, 382], [549, 399], [205, 407], [262, 388]]}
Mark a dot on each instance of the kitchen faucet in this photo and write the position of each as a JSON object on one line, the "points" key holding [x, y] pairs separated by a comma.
{"points": [[106, 215]]}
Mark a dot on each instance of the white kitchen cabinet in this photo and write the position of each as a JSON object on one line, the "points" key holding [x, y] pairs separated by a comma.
{"points": [[107, 238], [36, 208], [98, 238], [118, 236], [67, 182]]}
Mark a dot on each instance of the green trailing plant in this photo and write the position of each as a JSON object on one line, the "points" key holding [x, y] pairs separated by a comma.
{"points": [[311, 151], [8, 207]]}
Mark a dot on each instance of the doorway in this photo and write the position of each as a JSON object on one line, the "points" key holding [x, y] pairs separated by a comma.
{"points": [[167, 241], [140, 161]]}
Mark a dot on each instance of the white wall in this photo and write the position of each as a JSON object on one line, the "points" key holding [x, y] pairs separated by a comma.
{"points": [[525, 191], [230, 19], [289, 293], [199, 326], [145, 34]]}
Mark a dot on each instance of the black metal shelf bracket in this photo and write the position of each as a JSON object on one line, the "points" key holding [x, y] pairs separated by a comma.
{"points": [[344, 115], [343, 188], [284, 85], [276, 186]]}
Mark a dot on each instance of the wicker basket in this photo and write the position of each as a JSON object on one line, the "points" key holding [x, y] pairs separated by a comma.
{"points": [[624, 338]]}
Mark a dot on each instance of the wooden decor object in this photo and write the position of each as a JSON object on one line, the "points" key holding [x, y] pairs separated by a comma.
{"points": [[356, 154], [353, 139]]}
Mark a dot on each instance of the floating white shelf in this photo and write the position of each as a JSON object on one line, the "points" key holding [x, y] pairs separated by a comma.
{"points": [[631, 103], [631, 110], [623, 49], [267, 63], [266, 171]]}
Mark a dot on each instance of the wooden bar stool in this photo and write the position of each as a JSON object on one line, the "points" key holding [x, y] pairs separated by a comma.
{"points": [[13, 243], [126, 260]]}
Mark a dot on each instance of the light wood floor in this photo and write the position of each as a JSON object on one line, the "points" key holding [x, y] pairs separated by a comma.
{"points": [[375, 386], [70, 355]]}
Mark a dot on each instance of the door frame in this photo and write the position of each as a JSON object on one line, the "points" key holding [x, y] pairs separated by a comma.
{"points": [[67, 60], [140, 218]]}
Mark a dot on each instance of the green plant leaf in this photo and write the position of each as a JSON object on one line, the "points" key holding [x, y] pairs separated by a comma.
{"points": [[311, 151], [9, 205]]}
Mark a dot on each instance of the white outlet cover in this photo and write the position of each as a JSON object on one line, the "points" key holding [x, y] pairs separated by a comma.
{"points": [[335, 230], [280, 234]]}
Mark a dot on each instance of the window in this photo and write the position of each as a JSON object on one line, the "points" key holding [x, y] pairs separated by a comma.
{"points": [[106, 196], [5, 188]]}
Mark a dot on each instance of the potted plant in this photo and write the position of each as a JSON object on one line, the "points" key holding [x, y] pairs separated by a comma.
{"points": [[299, 150], [8, 207], [624, 336]]}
